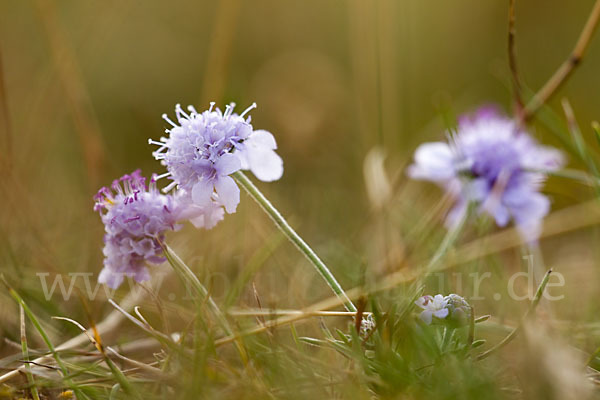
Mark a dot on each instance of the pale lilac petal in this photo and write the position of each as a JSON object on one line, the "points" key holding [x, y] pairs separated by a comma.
{"points": [[526, 205], [144, 246], [142, 275], [243, 156], [112, 279], [438, 300], [228, 193], [500, 214], [209, 217], [441, 314], [544, 158], [266, 165], [433, 162], [201, 192], [528, 211], [258, 155], [190, 212], [227, 164], [426, 316], [423, 301], [477, 190], [263, 139]]}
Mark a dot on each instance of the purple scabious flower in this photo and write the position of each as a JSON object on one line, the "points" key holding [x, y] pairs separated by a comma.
{"points": [[135, 218], [203, 149], [491, 161]]}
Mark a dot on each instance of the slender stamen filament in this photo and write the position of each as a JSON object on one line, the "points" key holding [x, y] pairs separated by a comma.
{"points": [[179, 110], [166, 118], [170, 186], [162, 176], [247, 110]]}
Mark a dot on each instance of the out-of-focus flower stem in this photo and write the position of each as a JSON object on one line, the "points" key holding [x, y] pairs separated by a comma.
{"points": [[201, 294], [529, 314], [449, 239], [289, 232]]}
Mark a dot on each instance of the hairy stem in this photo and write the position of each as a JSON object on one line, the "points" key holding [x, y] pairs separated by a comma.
{"points": [[201, 294], [532, 307], [291, 234]]}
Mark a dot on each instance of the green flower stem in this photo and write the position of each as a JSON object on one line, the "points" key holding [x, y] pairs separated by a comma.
{"points": [[289, 232], [188, 277], [447, 242], [529, 314], [201, 294]]}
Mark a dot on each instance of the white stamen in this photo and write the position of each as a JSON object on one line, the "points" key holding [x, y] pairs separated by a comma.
{"points": [[231, 108], [179, 110], [150, 141], [170, 186], [247, 110], [212, 104], [162, 176], [166, 118]]}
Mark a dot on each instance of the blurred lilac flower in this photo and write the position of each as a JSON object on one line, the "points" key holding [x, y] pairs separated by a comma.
{"points": [[492, 162], [432, 307], [203, 149], [135, 218]]}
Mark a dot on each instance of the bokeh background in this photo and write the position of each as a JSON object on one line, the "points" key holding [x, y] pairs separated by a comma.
{"points": [[348, 88]]}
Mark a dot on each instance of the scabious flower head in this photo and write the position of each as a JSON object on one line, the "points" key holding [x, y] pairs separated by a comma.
{"points": [[203, 149], [459, 310], [452, 308], [491, 161], [135, 218], [433, 306], [367, 325]]}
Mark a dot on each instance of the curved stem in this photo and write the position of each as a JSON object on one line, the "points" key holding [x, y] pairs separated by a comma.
{"points": [[289, 232], [566, 68], [202, 296], [529, 313]]}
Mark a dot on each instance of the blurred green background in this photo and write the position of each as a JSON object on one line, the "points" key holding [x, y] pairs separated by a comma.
{"points": [[85, 84]]}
